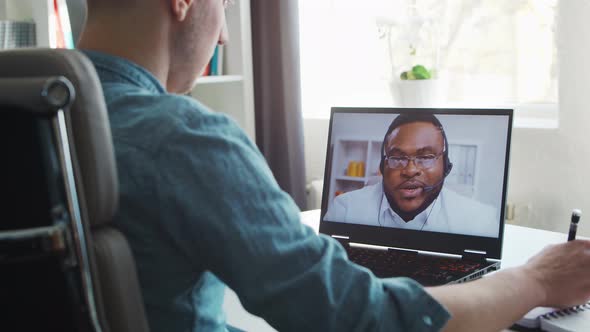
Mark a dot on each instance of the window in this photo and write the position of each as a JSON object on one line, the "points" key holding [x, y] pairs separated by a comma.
{"points": [[489, 53]]}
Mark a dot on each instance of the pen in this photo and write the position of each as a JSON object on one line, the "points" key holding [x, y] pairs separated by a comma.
{"points": [[574, 224]]}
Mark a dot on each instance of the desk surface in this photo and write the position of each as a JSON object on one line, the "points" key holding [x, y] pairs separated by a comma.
{"points": [[520, 243]]}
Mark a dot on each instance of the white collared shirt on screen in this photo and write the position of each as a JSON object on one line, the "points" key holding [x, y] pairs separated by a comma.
{"points": [[449, 213]]}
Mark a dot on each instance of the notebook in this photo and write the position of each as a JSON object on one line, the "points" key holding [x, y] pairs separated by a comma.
{"points": [[553, 320], [418, 192]]}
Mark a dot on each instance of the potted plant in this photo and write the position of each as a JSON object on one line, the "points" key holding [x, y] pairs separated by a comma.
{"points": [[413, 52], [417, 87]]}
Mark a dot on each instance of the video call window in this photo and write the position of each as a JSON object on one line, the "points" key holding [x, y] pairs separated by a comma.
{"points": [[439, 173]]}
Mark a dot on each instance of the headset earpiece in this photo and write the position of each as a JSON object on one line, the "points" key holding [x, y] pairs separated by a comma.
{"points": [[447, 160], [448, 166]]}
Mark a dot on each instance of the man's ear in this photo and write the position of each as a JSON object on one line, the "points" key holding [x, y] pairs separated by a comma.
{"points": [[180, 8]]}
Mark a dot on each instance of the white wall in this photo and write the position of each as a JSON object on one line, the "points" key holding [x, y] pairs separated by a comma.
{"points": [[548, 168]]}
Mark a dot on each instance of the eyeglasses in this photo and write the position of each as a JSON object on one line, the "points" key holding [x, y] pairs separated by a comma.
{"points": [[227, 3], [424, 161]]}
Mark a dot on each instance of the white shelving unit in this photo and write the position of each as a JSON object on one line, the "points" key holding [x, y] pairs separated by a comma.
{"points": [[347, 149], [464, 157], [219, 79], [233, 93], [32, 10]]}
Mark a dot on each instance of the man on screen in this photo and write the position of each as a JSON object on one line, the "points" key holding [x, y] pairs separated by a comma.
{"points": [[414, 164]]}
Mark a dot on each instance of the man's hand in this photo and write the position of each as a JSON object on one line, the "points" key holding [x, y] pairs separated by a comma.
{"points": [[562, 272], [558, 276]]}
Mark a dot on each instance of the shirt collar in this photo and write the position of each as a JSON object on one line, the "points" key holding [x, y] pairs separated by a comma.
{"points": [[388, 216], [114, 69]]}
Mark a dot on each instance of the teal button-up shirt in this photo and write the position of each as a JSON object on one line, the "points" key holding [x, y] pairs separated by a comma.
{"points": [[202, 210]]}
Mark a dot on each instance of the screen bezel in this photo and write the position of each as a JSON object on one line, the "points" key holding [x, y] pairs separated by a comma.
{"points": [[412, 239]]}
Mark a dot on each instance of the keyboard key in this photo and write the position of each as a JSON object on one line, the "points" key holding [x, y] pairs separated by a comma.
{"points": [[428, 270]]}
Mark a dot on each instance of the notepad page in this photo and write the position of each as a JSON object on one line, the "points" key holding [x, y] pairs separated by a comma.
{"points": [[572, 319], [531, 319]]}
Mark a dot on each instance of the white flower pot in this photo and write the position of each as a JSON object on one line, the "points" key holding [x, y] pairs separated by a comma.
{"points": [[418, 93]]}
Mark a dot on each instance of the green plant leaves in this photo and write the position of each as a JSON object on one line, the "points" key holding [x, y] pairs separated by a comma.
{"points": [[418, 72]]}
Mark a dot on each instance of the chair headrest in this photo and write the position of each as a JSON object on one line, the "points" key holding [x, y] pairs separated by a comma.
{"points": [[87, 122]]}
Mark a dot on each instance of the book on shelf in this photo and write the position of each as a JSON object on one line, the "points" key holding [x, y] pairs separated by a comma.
{"points": [[61, 21], [207, 70], [215, 65]]}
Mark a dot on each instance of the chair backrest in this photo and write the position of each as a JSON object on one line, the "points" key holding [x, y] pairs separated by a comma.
{"points": [[64, 266]]}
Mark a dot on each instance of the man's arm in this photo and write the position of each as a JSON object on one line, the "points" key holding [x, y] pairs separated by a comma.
{"points": [[559, 276], [222, 209]]}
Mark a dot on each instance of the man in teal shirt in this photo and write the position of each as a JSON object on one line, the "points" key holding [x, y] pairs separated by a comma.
{"points": [[202, 210]]}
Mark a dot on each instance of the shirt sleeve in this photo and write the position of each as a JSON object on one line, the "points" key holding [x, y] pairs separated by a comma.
{"points": [[233, 220], [337, 210]]}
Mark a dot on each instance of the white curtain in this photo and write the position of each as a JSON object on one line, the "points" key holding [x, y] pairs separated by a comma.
{"points": [[490, 53]]}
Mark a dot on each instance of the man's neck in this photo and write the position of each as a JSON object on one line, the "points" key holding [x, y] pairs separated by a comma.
{"points": [[409, 216], [116, 37]]}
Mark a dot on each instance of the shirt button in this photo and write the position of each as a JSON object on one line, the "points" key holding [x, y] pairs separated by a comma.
{"points": [[427, 320]]}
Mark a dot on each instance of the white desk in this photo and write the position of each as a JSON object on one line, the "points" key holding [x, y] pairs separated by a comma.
{"points": [[520, 243]]}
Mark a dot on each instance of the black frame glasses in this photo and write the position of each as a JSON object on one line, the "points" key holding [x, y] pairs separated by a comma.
{"points": [[424, 161]]}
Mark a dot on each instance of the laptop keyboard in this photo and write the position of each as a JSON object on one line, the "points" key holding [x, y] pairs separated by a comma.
{"points": [[427, 270]]}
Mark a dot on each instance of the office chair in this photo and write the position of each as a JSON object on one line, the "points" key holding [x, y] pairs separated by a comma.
{"points": [[63, 267]]}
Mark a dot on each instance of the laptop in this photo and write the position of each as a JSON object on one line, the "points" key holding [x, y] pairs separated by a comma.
{"points": [[418, 193]]}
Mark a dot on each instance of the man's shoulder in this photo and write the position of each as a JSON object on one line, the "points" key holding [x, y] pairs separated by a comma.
{"points": [[164, 105], [165, 115], [466, 205], [469, 216], [455, 197], [369, 191]]}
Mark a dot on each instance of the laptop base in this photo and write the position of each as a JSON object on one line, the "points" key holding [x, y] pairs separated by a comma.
{"points": [[428, 270]]}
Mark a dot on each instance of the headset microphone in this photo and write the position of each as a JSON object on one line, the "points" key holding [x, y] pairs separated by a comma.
{"points": [[431, 188]]}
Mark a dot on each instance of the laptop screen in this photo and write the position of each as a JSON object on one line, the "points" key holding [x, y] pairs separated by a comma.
{"points": [[420, 170]]}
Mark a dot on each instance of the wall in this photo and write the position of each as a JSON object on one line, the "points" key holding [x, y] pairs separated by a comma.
{"points": [[548, 167]]}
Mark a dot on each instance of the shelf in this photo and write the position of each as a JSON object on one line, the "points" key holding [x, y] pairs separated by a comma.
{"points": [[219, 79]]}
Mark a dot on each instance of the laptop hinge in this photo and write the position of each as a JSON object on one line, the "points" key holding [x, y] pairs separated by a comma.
{"points": [[344, 240], [474, 255], [405, 251]]}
